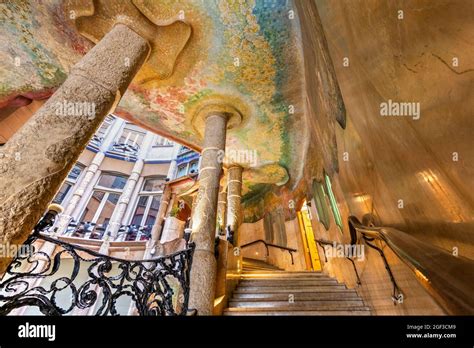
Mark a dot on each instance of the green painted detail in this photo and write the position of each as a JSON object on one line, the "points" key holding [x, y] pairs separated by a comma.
{"points": [[256, 193], [197, 97], [321, 206], [332, 200]]}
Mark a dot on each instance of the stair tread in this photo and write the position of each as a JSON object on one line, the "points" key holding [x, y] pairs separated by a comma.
{"points": [[291, 285], [297, 297], [263, 291], [284, 305], [275, 289], [286, 309], [297, 313], [281, 271], [275, 275], [289, 280]]}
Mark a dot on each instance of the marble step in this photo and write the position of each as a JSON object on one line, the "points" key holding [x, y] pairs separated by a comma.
{"points": [[254, 261], [288, 282], [256, 269], [289, 289], [273, 312], [298, 305], [275, 273], [302, 296], [251, 268], [258, 264]]}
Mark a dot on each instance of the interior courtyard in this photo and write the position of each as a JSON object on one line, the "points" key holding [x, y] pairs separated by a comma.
{"points": [[237, 158]]}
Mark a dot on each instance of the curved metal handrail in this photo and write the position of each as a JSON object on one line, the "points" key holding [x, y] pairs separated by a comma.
{"points": [[323, 242], [290, 250], [448, 278]]}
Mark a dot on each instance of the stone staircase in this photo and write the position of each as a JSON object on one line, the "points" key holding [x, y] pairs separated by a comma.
{"points": [[267, 290]]}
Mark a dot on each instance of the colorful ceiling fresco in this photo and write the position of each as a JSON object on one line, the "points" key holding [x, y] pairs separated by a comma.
{"points": [[246, 54]]}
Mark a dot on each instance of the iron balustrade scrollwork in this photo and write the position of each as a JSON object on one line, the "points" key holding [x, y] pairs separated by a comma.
{"points": [[95, 283]]}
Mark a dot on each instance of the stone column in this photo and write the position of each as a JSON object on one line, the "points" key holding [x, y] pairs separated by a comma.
{"points": [[234, 194], [156, 229], [203, 270], [66, 217], [119, 211], [37, 159], [193, 208], [172, 169], [221, 213]]}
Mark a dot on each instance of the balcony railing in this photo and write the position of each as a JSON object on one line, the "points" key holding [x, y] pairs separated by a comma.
{"points": [[94, 284], [125, 150], [90, 230]]}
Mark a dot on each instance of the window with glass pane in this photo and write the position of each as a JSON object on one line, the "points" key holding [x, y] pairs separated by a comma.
{"points": [[193, 167], [139, 211], [75, 172], [146, 210], [100, 207], [107, 209], [103, 128], [182, 170], [153, 185], [162, 141], [62, 193], [130, 137], [112, 181], [153, 211], [92, 206]]}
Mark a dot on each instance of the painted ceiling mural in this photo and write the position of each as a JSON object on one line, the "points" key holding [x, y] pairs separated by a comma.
{"points": [[247, 54]]}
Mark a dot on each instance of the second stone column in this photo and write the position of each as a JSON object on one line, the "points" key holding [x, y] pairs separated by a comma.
{"points": [[203, 271]]}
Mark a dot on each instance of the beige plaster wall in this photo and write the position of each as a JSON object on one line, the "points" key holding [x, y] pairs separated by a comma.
{"points": [[277, 257]]}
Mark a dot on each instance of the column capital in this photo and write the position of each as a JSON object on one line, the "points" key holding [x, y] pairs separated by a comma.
{"points": [[235, 112]]}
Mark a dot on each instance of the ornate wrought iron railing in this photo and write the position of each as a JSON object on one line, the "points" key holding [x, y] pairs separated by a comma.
{"points": [[95, 284]]}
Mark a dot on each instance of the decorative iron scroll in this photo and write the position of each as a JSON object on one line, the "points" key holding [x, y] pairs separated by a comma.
{"points": [[156, 287]]}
